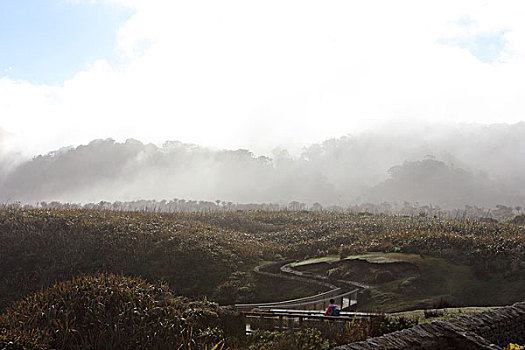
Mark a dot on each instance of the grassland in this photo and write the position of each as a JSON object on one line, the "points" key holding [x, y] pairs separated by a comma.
{"points": [[212, 254], [427, 281], [441, 314]]}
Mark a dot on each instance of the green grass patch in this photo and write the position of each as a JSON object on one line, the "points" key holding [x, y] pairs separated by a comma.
{"points": [[269, 289], [439, 281], [376, 257], [443, 314], [327, 258]]}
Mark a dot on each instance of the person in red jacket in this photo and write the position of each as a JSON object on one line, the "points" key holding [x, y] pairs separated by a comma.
{"points": [[332, 309]]}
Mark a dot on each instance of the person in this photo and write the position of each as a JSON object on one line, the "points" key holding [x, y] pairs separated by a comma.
{"points": [[332, 309]]}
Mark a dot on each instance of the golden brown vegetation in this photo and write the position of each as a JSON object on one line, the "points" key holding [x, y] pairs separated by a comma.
{"points": [[210, 254], [107, 312]]}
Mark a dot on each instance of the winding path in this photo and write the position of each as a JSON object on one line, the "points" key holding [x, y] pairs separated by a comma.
{"points": [[307, 309], [287, 269], [336, 288]]}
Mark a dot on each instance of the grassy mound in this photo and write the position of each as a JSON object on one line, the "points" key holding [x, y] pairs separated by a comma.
{"points": [[412, 281], [107, 312], [212, 254], [39, 248]]}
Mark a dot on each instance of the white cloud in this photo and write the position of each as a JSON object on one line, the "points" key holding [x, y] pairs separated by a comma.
{"points": [[262, 74]]}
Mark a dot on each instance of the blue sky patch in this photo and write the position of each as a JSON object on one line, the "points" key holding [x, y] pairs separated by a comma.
{"points": [[487, 48], [48, 41]]}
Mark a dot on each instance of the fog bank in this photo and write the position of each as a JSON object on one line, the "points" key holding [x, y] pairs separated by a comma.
{"points": [[447, 165]]}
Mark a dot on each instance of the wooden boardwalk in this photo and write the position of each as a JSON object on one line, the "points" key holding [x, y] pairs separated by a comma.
{"points": [[282, 319], [296, 313], [315, 302]]}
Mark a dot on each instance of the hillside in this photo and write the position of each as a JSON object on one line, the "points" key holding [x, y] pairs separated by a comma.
{"points": [[450, 167], [432, 181], [212, 255]]}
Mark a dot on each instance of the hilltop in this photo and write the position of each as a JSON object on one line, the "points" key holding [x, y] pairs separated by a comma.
{"points": [[449, 167]]}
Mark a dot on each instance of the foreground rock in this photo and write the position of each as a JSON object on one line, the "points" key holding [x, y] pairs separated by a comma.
{"points": [[487, 330]]}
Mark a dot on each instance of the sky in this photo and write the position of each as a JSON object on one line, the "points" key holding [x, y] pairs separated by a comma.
{"points": [[252, 74]]}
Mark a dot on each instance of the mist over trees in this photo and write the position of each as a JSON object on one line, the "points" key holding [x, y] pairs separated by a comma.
{"points": [[449, 166], [432, 181]]}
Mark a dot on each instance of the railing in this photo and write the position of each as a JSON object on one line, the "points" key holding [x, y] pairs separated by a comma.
{"points": [[345, 300], [308, 309], [286, 302], [293, 319], [315, 302]]}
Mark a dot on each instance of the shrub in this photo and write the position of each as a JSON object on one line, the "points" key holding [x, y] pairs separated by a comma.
{"points": [[442, 303], [384, 325], [433, 313], [107, 312], [512, 346], [305, 339], [345, 251]]}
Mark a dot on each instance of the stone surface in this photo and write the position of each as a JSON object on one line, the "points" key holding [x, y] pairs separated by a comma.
{"points": [[487, 330]]}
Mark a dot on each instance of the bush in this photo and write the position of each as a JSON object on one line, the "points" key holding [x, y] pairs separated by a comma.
{"points": [[442, 303], [433, 313], [512, 346], [305, 339], [325, 335], [384, 325], [345, 251], [107, 312]]}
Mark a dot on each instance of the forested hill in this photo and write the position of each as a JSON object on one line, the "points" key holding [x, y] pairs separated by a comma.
{"points": [[432, 181], [446, 166]]}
